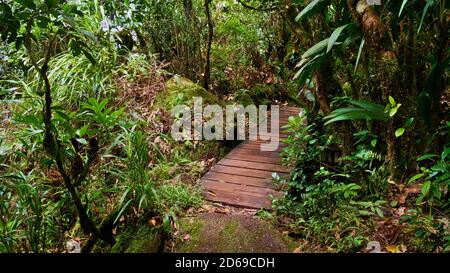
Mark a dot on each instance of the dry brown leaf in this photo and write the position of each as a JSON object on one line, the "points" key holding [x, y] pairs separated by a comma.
{"points": [[152, 222], [393, 249]]}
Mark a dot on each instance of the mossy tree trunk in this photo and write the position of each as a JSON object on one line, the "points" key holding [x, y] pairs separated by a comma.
{"points": [[207, 71], [388, 76]]}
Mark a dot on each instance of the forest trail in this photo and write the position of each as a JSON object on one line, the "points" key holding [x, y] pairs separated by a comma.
{"points": [[244, 177]]}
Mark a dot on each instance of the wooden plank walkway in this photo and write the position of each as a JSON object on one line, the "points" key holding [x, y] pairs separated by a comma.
{"points": [[244, 177]]}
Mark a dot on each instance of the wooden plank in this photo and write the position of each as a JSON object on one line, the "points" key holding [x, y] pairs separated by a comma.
{"points": [[241, 171], [259, 141], [258, 147], [258, 144], [290, 108], [238, 200], [235, 188], [244, 152], [253, 158], [270, 136], [244, 177], [253, 165], [236, 179]]}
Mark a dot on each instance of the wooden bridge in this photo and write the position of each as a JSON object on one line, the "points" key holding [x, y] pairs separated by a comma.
{"points": [[244, 177]]}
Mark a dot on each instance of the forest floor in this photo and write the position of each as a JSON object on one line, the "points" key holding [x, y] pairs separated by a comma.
{"points": [[235, 232]]}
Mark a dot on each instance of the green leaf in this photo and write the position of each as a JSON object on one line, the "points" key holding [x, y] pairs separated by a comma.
{"points": [[373, 142], [83, 130], [409, 122], [122, 199], [363, 110], [361, 46], [316, 49], [445, 153], [82, 141], [379, 212], [355, 115], [311, 9], [122, 210], [392, 101], [399, 132], [426, 187], [401, 8], [364, 212], [425, 9], [425, 157], [393, 111], [373, 107], [335, 35], [415, 177], [350, 39]]}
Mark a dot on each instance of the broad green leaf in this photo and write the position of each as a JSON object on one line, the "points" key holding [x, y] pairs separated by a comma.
{"points": [[83, 130], [392, 101], [425, 9], [425, 157], [370, 106], [316, 49], [364, 212], [350, 116], [401, 8], [379, 212], [409, 122], [415, 177], [364, 110], [335, 35], [426, 187], [393, 111], [311, 9], [399, 132], [445, 153], [350, 39]]}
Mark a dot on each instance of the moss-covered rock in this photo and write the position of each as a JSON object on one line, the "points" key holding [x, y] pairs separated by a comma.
{"points": [[217, 233], [138, 239], [181, 90]]}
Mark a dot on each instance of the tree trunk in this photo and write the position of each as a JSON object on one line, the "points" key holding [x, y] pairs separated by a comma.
{"points": [[207, 71], [387, 72]]}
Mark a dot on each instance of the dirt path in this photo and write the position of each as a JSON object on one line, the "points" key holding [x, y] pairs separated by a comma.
{"points": [[230, 233]]}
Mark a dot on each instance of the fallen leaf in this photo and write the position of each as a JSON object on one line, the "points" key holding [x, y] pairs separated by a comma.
{"points": [[297, 250], [403, 248], [152, 222], [393, 249], [187, 237]]}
